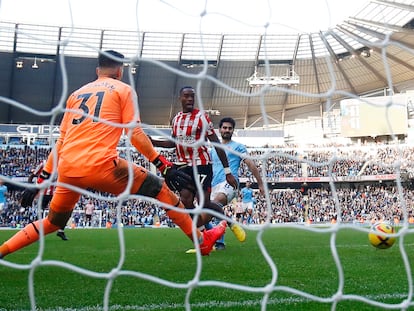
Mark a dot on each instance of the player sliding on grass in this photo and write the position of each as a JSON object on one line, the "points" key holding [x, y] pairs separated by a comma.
{"points": [[188, 127], [87, 157]]}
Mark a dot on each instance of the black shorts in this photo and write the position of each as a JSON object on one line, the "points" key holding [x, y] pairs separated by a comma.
{"points": [[204, 175], [46, 200]]}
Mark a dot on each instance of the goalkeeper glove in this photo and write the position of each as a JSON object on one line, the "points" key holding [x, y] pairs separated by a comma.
{"points": [[29, 194], [42, 177], [175, 179], [162, 164]]}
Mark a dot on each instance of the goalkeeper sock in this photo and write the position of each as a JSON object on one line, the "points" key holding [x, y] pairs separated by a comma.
{"points": [[26, 236]]}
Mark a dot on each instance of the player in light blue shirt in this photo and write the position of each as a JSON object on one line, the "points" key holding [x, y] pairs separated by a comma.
{"points": [[3, 190], [221, 191], [247, 201], [247, 193], [234, 163]]}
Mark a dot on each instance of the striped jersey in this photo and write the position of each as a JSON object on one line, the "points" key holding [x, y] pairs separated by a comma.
{"points": [[187, 128]]}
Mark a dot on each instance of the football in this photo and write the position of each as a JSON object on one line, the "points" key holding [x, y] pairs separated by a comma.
{"points": [[379, 235]]}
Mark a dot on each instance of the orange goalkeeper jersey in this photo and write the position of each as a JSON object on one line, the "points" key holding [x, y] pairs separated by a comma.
{"points": [[87, 143]]}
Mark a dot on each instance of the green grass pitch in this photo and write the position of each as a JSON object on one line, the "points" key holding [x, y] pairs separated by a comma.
{"points": [[303, 259]]}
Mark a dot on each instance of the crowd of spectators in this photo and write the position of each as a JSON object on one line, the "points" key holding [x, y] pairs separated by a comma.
{"points": [[333, 161], [360, 205], [356, 202], [275, 162]]}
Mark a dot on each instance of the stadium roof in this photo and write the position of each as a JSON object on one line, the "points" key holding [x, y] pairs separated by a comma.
{"points": [[285, 76]]}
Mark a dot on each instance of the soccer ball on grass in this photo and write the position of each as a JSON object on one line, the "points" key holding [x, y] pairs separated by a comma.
{"points": [[379, 235]]}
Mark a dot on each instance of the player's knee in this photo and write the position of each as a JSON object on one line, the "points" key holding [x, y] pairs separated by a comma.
{"points": [[59, 219], [152, 185]]}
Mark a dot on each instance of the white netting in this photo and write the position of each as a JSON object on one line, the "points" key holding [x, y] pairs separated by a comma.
{"points": [[72, 43]]}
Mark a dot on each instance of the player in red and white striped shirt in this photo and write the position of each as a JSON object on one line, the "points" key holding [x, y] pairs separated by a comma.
{"points": [[189, 126]]}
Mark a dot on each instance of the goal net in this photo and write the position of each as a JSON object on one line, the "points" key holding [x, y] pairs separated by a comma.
{"points": [[334, 150]]}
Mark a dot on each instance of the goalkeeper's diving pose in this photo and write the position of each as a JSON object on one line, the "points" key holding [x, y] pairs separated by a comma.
{"points": [[94, 119]]}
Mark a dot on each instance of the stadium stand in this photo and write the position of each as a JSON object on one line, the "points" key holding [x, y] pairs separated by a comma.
{"points": [[364, 177]]}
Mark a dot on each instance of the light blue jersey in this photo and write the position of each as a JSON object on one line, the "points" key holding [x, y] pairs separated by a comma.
{"points": [[3, 190], [234, 162], [247, 194]]}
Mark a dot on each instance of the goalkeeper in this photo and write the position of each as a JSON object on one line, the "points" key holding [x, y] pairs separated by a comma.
{"points": [[87, 157]]}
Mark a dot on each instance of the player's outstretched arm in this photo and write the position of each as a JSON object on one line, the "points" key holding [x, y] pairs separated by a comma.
{"points": [[165, 143], [175, 179]]}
